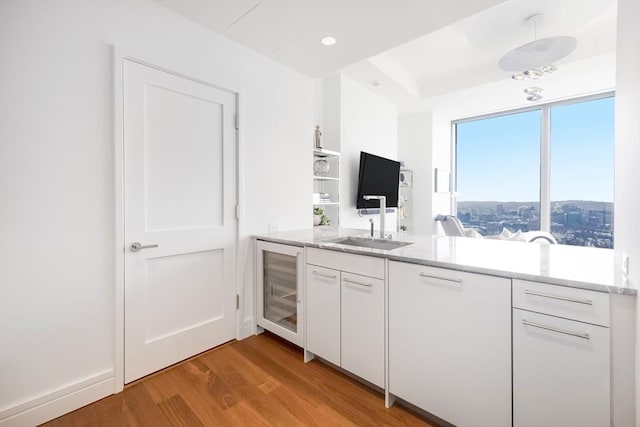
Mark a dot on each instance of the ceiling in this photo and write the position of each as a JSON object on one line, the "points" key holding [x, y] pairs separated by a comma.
{"points": [[407, 50], [289, 31]]}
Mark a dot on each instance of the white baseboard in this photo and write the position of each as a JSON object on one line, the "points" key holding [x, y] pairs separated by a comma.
{"points": [[59, 402], [248, 328]]}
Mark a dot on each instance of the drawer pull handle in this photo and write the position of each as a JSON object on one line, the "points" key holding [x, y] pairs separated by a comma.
{"points": [[577, 301], [459, 281], [328, 276], [584, 336], [353, 282]]}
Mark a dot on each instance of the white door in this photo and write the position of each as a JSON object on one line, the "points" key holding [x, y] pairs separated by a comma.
{"points": [[180, 194]]}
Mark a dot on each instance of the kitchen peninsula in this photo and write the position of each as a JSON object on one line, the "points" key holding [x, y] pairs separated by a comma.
{"points": [[534, 334]]}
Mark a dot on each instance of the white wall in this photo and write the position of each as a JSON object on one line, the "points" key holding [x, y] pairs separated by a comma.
{"points": [[424, 141], [331, 112], [367, 123], [442, 153], [414, 147], [627, 155], [57, 179], [627, 128]]}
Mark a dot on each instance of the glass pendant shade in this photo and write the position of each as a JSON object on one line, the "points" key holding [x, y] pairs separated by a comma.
{"points": [[538, 54]]}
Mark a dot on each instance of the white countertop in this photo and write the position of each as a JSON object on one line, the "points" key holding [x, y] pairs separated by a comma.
{"points": [[579, 267]]}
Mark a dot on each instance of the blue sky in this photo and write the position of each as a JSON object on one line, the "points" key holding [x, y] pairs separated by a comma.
{"points": [[498, 159]]}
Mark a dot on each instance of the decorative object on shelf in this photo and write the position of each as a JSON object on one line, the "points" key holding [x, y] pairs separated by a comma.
{"points": [[319, 198], [406, 177], [534, 59], [318, 134], [319, 218], [321, 167]]}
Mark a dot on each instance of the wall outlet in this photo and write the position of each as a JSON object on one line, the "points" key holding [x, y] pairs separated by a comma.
{"points": [[273, 228]]}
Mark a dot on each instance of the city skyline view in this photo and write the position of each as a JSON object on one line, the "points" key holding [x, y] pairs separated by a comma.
{"points": [[573, 222], [501, 161]]}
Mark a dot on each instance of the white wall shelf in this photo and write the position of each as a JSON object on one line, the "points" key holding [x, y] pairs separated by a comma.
{"points": [[326, 187], [405, 200], [322, 152]]}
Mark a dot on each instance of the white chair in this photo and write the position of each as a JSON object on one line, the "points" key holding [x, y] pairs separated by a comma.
{"points": [[451, 225], [540, 237]]}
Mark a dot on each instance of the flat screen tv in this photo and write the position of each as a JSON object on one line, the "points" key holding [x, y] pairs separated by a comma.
{"points": [[379, 177]]}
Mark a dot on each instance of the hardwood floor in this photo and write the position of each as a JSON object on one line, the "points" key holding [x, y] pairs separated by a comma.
{"points": [[260, 381]]}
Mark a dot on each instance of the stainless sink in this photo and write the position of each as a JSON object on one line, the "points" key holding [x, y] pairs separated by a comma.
{"points": [[371, 243]]}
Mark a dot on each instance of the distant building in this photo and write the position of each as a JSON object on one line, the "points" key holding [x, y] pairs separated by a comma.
{"points": [[580, 223], [573, 219]]}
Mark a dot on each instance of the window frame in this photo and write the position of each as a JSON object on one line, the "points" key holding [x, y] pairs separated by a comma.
{"points": [[545, 149]]}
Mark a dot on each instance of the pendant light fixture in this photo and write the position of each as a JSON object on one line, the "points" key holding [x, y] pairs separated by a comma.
{"points": [[535, 59]]}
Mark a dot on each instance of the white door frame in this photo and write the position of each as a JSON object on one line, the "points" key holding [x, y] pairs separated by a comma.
{"points": [[119, 55]]}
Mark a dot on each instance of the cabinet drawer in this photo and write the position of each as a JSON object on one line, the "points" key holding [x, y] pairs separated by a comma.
{"points": [[571, 303], [560, 372], [358, 264]]}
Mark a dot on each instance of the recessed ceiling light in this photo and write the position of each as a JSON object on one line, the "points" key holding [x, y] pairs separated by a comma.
{"points": [[328, 41]]}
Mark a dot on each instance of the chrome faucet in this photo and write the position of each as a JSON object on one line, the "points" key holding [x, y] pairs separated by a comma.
{"points": [[383, 209]]}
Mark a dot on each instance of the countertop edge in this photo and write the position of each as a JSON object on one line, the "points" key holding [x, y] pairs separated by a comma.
{"points": [[598, 287]]}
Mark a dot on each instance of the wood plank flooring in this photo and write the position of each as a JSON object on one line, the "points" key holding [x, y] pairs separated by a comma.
{"points": [[260, 381]]}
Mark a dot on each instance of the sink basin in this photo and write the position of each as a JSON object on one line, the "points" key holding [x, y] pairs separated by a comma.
{"points": [[366, 242]]}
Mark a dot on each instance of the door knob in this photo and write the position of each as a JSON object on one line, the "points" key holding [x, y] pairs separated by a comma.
{"points": [[136, 246]]}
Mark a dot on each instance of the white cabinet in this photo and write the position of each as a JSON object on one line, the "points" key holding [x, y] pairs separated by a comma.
{"points": [[279, 278], [561, 366], [345, 312], [323, 313], [362, 331], [450, 343]]}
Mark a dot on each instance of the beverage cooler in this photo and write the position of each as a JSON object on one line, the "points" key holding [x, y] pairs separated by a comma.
{"points": [[279, 290]]}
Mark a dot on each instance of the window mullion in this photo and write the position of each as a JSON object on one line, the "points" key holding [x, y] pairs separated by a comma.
{"points": [[545, 169]]}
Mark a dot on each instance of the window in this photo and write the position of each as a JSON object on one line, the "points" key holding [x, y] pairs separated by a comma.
{"points": [[545, 168]]}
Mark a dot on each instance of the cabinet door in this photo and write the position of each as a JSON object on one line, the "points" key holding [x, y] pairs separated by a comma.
{"points": [[363, 327], [450, 343], [279, 277], [323, 313], [560, 372]]}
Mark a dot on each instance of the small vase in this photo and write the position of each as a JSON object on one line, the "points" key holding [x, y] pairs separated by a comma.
{"points": [[321, 167], [317, 219]]}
